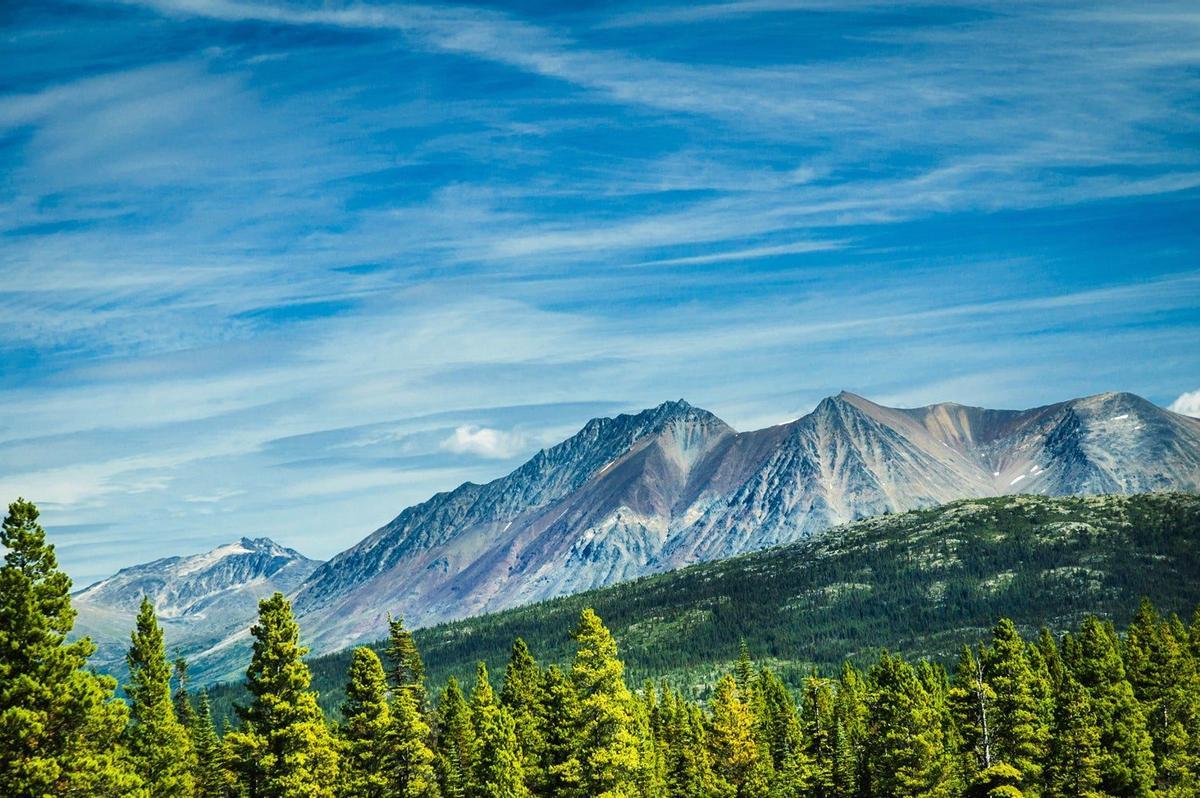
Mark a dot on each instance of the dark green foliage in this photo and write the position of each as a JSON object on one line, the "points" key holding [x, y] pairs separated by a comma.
{"points": [[60, 727], [922, 583], [212, 780], [160, 747], [366, 728]]}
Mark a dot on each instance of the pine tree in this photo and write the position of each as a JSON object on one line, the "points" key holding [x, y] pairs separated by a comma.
{"points": [[455, 758], [211, 781], [851, 713], [366, 728], [284, 749], [524, 697], [185, 713], [407, 670], [686, 763], [60, 725], [410, 762], [1073, 769], [904, 741], [159, 745], [1018, 737], [560, 721], [972, 701], [651, 780], [605, 757], [818, 724], [1126, 765], [736, 755], [498, 769]]}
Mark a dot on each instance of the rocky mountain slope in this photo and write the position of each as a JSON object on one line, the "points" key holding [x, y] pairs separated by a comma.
{"points": [[645, 493], [203, 601], [650, 492], [922, 583]]}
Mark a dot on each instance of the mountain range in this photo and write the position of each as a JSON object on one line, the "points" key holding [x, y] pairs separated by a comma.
{"points": [[649, 492]]}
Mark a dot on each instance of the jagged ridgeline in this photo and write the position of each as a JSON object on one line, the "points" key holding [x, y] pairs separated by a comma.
{"points": [[921, 583]]}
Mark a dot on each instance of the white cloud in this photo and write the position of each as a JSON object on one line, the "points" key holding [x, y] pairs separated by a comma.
{"points": [[1188, 404], [484, 442]]}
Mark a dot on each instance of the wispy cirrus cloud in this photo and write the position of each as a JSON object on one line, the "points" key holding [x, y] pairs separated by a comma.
{"points": [[282, 268]]}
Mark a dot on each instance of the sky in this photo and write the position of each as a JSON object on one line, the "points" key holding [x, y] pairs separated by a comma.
{"points": [[284, 268]]}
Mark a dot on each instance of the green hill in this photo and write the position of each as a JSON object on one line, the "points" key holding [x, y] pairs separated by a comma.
{"points": [[922, 583]]}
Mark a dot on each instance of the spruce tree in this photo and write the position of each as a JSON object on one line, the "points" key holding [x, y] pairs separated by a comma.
{"points": [[1126, 764], [211, 778], [407, 670], [455, 757], [160, 747], [366, 728], [185, 712], [284, 749], [498, 769], [60, 725], [605, 760], [904, 749], [972, 701], [851, 714], [818, 723], [524, 697], [1018, 736], [410, 761], [560, 720], [736, 755], [1073, 768]]}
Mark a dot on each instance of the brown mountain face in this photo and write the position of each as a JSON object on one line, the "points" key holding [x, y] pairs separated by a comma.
{"points": [[672, 485], [644, 493]]}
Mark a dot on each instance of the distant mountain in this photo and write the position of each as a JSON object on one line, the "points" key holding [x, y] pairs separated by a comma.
{"points": [[922, 583], [202, 601], [650, 492], [644, 493]]}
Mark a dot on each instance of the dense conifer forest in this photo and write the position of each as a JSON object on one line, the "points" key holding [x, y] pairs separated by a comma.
{"points": [[1090, 712]]}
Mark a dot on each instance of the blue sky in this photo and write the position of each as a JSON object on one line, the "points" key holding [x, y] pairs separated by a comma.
{"points": [[284, 268]]}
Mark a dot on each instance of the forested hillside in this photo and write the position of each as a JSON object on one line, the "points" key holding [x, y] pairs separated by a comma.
{"points": [[921, 583], [1088, 714]]}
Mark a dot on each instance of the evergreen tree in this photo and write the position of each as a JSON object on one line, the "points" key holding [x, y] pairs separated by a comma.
{"points": [[523, 696], [972, 701], [407, 670], [185, 713], [1126, 764], [210, 776], [60, 726], [160, 747], [818, 721], [410, 762], [284, 749], [904, 739], [560, 720], [1073, 769], [605, 758], [366, 728], [850, 710], [686, 764], [498, 769], [737, 757], [1018, 736], [455, 758]]}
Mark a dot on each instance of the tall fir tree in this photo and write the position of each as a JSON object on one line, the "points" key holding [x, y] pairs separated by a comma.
{"points": [[560, 720], [523, 696], [365, 729], [498, 772], [851, 713], [455, 756], [1018, 736], [1073, 766], [904, 747], [284, 749], [605, 759], [738, 759], [410, 761], [972, 701], [185, 711], [211, 778], [407, 671], [160, 747], [60, 725], [1126, 764]]}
